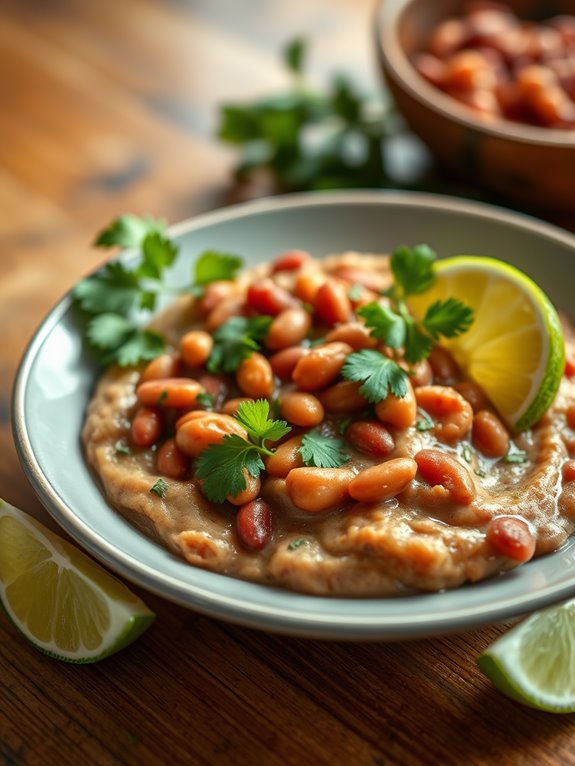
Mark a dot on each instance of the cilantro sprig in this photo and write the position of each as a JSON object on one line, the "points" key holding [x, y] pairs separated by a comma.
{"points": [[111, 296], [377, 372], [235, 340], [323, 451], [221, 467]]}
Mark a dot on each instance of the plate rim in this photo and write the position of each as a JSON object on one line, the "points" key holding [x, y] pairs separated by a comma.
{"points": [[243, 611]]}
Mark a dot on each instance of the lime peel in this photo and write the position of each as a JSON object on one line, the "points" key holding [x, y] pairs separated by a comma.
{"points": [[58, 598], [534, 662]]}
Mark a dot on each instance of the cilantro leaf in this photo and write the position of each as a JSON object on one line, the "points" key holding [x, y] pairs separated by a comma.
{"points": [[235, 340], [121, 341], [379, 375], [294, 55], [160, 488], [449, 318], [418, 345], [221, 467], [127, 231], [254, 417], [112, 289], [108, 331], [384, 323], [323, 451], [158, 253], [213, 265], [141, 346], [412, 269]]}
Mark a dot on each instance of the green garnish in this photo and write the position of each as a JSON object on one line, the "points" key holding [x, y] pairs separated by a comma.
{"points": [[466, 453], [379, 375], [297, 543], [517, 456], [425, 422], [221, 466], [355, 292], [235, 340], [117, 290], [160, 488], [205, 400], [413, 273], [122, 448], [480, 472], [323, 451]]}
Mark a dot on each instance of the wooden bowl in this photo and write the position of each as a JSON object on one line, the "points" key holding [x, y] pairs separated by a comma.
{"points": [[531, 166]]}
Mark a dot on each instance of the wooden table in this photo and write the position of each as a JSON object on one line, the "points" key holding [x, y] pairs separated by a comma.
{"points": [[108, 107]]}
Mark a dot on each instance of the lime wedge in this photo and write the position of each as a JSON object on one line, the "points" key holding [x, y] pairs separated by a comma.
{"points": [[514, 348], [534, 662], [58, 598]]}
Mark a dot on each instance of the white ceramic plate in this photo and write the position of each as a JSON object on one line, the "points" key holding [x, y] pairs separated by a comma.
{"points": [[57, 376]]}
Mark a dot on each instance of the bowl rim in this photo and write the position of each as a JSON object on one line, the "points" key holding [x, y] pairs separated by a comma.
{"points": [[398, 66]]}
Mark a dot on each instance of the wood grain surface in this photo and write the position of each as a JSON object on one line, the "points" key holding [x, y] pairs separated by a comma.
{"points": [[111, 106]]}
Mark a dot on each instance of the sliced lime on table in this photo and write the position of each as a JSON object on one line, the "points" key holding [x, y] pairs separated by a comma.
{"points": [[62, 601], [534, 662], [514, 348]]}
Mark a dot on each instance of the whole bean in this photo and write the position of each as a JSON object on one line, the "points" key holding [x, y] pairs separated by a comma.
{"points": [[568, 471], [420, 374], [224, 310], [265, 297], [307, 284], [321, 366], [163, 366], [169, 392], [215, 293], [440, 468], [489, 434], [251, 491], [331, 303], [370, 436], [286, 457], [283, 363], [291, 260], [343, 397], [195, 435], [191, 415], [445, 368], [232, 405], [398, 411], [301, 409], [255, 377], [473, 393], [448, 37], [254, 524], [570, 416], [511, 537], [217, 386], [355, 334], [196, 347], [452, 413], [171, 461], [318, 489], [384, 481], [147, 426], [374, 281], [288, 329]]}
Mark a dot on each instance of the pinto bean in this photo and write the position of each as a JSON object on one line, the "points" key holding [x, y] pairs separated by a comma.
{"points": [[288, 329], [195, 435], [318, 489], [511, 537], [291, 261], [473, 393], [440, 468], [452, 413], [448, 37], [232, 405], [398, 411], [216, 386], [265, 297], [384, 481], [343, 397], [169, 392], [321, 366], [283, 363], [370, 436], [307, 284], [163, 366], [420, 374], [215, 293], [489, 434], [355, 334], [570, 416], [301, 409], [445, 368], [251, 491], [286, 457], [147, 426], [196, 347], [171, 461], [331, 303], [568, 471], [374, 281], [223, 311], [255, 377], [254, 524], [191, 415]]}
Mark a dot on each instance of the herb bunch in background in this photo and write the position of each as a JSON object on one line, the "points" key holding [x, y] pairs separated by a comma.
{"points": [[309, 140]]}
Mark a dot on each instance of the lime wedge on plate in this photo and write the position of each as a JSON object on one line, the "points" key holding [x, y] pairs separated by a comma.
{"points": [[62, 601], [514, 348], [534, 662]]}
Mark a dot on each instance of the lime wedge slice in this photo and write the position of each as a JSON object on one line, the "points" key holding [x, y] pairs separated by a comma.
{"points": [[534, 662], [58, 598], [514, 348]]}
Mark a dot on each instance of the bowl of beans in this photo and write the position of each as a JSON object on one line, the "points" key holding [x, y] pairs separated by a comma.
{"points": [[490, 88]]}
